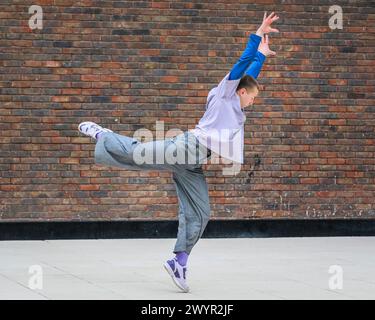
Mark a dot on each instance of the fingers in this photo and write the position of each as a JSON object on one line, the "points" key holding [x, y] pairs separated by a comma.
{"points": [[272, 17], [274, 30], [265, 39], [265, 15]]}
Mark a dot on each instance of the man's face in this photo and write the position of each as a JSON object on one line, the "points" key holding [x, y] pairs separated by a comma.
{"points": [[247, 96]]}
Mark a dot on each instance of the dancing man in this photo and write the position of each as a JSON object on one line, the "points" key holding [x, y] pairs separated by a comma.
{"points": [[224, 112]]}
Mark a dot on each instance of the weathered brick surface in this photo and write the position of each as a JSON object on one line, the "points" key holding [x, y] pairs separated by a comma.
{"points": [[310, 140]]}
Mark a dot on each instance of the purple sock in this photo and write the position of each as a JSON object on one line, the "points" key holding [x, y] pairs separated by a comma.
{"points": [[182, 257]]}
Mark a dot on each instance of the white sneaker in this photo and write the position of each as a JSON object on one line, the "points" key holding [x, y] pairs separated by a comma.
{"points": [[178, 274], [91, 129]]}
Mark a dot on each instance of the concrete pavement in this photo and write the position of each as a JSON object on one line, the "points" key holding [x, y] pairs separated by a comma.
{"points": [[256, 268]]}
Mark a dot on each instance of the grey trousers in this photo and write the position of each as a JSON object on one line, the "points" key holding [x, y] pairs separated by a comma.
{"points": [[183, 155]]}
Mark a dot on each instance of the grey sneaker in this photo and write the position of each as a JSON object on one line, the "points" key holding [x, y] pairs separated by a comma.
{"points": [[178, 274], [91, 129]]}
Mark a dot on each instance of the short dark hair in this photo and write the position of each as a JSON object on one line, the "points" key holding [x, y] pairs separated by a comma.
{"points": [[248, 82]]}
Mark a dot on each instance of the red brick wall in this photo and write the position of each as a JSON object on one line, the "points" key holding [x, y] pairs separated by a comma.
{"points": [[126, 64]]}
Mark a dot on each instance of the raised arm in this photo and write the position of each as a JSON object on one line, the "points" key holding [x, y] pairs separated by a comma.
{"points": [[250, 52], [263, 52], [256, 65], [246, 58]]}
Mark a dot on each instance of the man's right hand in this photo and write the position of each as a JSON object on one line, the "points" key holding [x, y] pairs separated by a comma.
{"points": [[266, 24]]}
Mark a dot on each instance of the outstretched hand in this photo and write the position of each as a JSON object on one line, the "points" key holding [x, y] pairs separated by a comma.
{"points": [[264, 47], [266, 24]]}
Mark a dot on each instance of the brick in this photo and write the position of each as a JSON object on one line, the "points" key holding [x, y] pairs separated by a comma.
{"points": [[169, 79], [89, 187], [311, 127], [53, 64], [60, 99], [62, 44], [99, 99], [120, 99], [90, 77], [69, 160]]}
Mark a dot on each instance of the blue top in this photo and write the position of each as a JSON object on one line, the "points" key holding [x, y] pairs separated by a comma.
{"points": [[250, 61]]}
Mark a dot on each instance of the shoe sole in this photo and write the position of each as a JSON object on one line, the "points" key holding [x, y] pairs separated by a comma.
{"points": [[170, 272]]}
